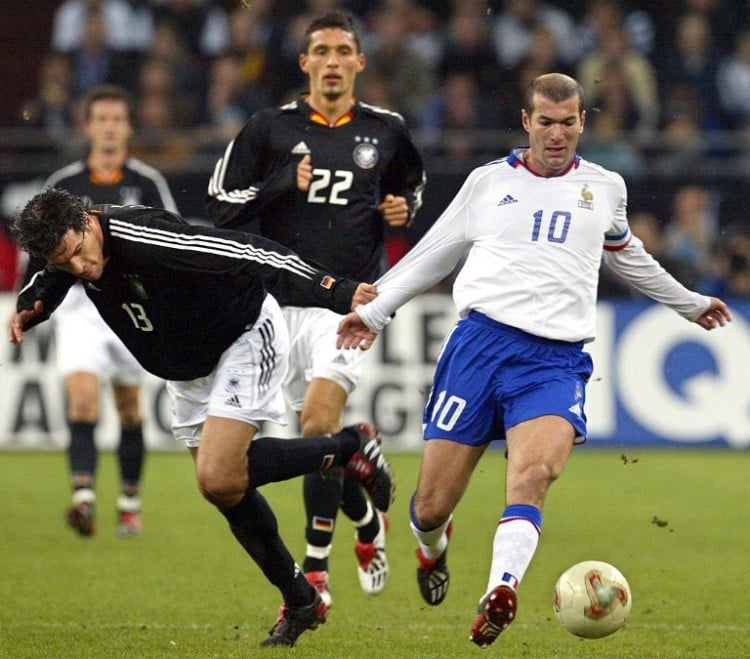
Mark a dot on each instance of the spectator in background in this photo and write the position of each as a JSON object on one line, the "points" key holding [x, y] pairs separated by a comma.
{"points": [[607, 143], [454, 114], [255, 37], [692, 230], [49, 109], [613, 97], [542, 58], [201, 24], [615, 56], [94, 62], [467, 47], [691, 63], [186, 70], [733, 82], [514, 24], [156, 77], [128, 25], [602, 16], [732, 265], [227, 104], [409, 76]]}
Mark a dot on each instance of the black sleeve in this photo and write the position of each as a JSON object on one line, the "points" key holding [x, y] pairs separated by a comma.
{"points": [[48, 285], [241, 184], [150, 237], [405, 175]]}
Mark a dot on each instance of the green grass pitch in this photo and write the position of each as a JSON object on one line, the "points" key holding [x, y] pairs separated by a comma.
{"points": [[675, 523]]}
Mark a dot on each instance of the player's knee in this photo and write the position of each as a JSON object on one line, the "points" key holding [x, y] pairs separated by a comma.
{"points": [[218, 486], [83, 410], [431, 512]]}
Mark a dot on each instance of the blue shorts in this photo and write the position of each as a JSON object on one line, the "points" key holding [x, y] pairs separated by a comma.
{"points": [[490, 377]]}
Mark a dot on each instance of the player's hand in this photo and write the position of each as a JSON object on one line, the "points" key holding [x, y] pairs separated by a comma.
{"points": [[395, 211], [717, 315], [19, 319], [353, 333], [364, 294], [304, 173]]}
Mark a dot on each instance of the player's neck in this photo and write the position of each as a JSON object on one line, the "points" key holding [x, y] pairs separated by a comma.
{"points": [[106, 161], [330, 109]]}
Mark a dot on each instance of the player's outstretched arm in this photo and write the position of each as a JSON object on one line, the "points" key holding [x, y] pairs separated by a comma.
{"points": [[19, 320], [717, 315], [353, 333]]}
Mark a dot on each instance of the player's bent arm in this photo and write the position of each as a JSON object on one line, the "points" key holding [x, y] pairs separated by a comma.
{"points": [[43, 293], [634, 264], [21, 320]]}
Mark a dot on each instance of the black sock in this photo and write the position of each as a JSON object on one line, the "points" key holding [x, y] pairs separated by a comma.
{"points": [[354, 505], [131, 452], [271, 459], [82, 454], [322, 494], [254, 525]]}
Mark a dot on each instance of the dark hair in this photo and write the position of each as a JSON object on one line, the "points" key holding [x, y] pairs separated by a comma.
{"points": [[335, 19], [557, 87], [41, 225], [107, 93]]}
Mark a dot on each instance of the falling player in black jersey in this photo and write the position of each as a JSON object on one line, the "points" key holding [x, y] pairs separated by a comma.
{"points": [[324, 175], [190, 304]]}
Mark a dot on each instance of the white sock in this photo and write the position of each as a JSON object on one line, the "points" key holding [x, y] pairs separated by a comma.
{"points": [[434, 541], [514, 546]]}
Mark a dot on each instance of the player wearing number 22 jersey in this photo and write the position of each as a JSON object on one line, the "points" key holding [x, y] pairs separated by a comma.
{"points": [[337, 222]]}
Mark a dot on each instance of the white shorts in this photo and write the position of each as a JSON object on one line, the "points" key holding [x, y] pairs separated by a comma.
{"points": [[245, 385], [85, 343], [314, 354]]}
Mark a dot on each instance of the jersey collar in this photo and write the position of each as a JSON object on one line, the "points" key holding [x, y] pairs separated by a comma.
{"points": [[316, 117], [515, 160]]}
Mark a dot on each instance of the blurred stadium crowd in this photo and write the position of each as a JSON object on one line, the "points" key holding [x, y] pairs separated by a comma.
{"points": [[667, 85]]}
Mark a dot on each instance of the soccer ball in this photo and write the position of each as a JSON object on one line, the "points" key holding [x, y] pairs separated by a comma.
{"points": [[592, 599]]}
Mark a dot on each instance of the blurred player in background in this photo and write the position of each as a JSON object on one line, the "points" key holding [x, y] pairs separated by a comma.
{"points": [[533, 227], [190, 304], [88, 352], [324, 175]]}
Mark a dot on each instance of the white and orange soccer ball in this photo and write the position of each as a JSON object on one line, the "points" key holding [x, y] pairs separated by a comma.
{"points": [[592, 599]]}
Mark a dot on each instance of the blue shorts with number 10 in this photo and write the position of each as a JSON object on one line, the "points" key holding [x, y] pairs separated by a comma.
{"points": [[491, 376]]}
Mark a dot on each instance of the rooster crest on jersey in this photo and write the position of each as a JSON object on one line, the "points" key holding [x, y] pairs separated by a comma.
{"points": [[587, 198]]}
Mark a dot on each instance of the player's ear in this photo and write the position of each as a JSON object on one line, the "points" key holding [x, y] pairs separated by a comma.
{"points": [[583, 120], [362, 62], [303, 62], [525, 120]]}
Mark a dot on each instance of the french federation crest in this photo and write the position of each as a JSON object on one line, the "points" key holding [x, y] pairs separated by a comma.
{"points": [[587, 198], [366, 154]]}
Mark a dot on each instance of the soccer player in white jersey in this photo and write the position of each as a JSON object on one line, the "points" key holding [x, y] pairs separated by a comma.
{"points": [[533, 228]]}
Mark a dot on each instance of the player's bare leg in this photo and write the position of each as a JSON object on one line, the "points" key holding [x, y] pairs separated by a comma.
{"points": [[82, 393], [444, 475], [538, 450], [131, 452]]}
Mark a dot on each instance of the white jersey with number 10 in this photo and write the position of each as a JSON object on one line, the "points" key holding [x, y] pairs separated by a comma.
{"points": [[532, 247]]}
